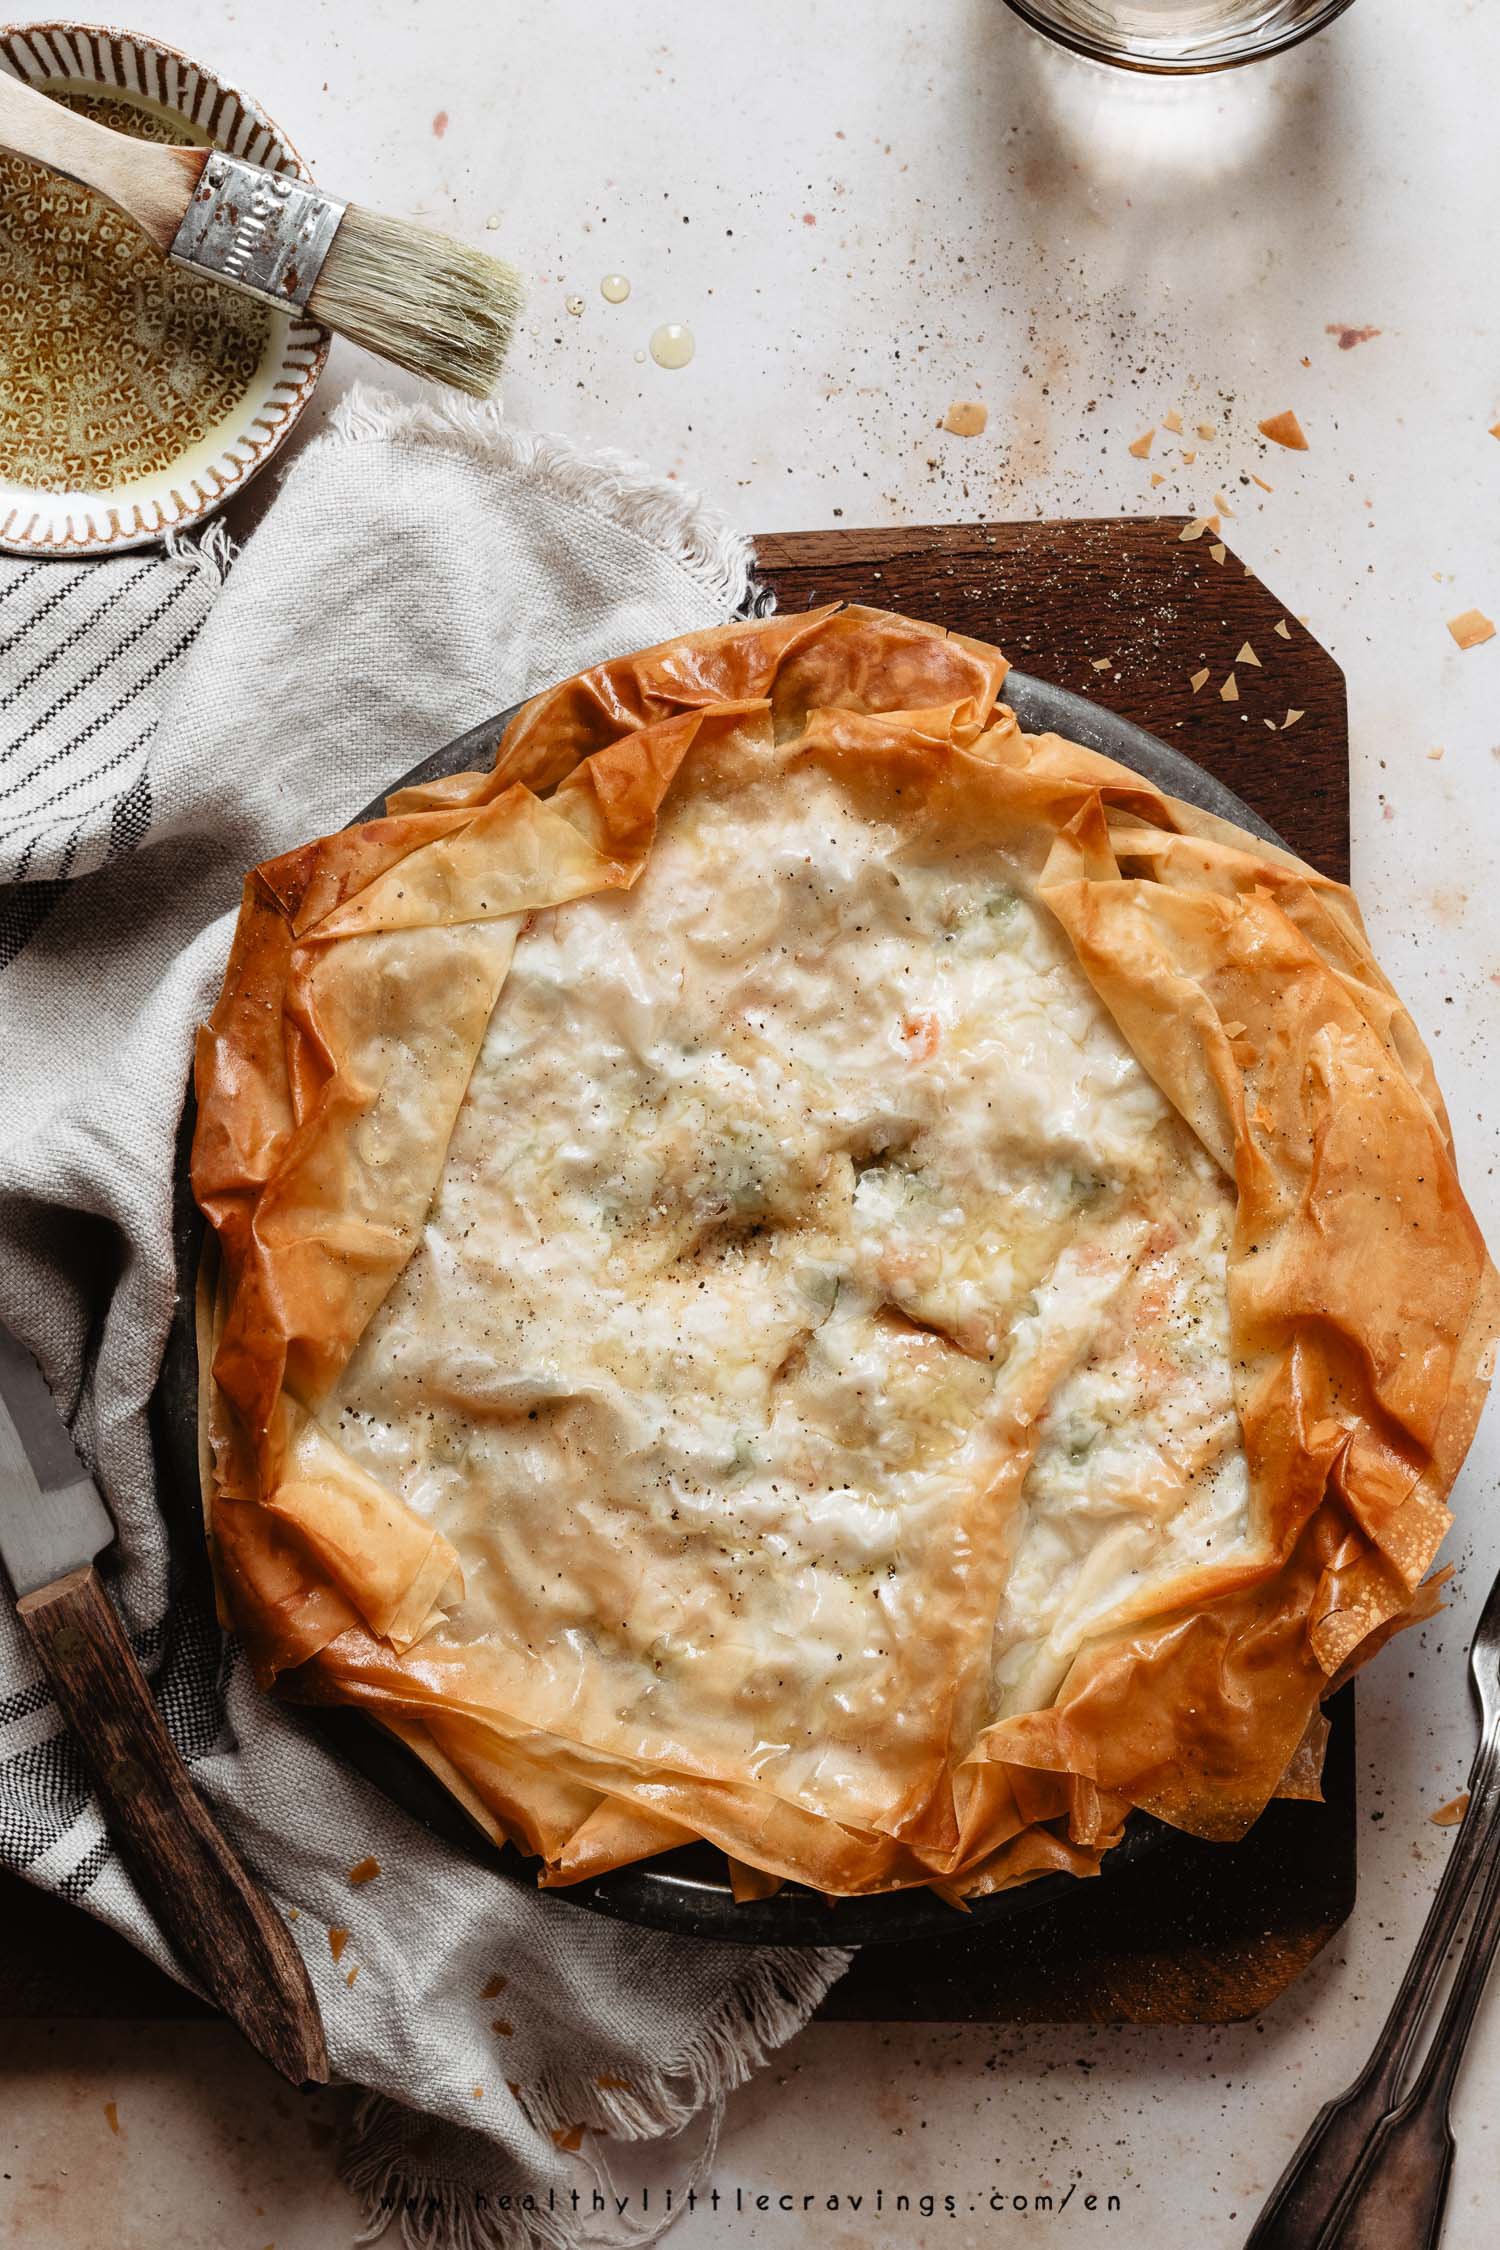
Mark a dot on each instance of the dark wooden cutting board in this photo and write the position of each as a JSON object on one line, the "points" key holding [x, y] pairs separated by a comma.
{"points": [[1126, 611], [1061, 598]]}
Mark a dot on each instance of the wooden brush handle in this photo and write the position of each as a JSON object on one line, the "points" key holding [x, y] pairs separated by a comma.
{"points": [[221, 1924], [151, 184]]}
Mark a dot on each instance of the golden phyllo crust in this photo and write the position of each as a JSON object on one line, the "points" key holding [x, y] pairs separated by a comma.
{"points": [[800, 1267]]}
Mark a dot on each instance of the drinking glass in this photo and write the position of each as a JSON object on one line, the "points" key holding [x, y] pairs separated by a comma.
{"points": [[1178, 35]]}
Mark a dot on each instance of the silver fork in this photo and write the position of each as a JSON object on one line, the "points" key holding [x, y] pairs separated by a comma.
{"points": [[1372, 2171]]}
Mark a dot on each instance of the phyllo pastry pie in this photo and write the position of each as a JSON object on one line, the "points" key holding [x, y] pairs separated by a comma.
{"points": [[803, 1268]]}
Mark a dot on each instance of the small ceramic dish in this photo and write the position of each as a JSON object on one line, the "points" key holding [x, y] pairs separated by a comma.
{"points": [[135, 398]]}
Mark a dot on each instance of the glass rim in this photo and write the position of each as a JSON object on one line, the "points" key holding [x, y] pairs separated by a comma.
{"points": [[1160, 66]]}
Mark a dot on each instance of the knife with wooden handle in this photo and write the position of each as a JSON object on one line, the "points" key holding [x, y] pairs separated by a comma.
{"points": [[220, 1923]]}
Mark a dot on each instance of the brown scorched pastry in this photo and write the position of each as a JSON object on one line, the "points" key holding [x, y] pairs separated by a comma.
{"points": [[804, 1268]]}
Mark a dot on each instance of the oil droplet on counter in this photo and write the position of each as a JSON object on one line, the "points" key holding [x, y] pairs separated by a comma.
{"points": [[614, 289], [640, 359], [575, 306], [672, 344]]}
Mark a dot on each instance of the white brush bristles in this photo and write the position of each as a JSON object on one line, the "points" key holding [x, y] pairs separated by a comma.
{"points": [[424, 302]]}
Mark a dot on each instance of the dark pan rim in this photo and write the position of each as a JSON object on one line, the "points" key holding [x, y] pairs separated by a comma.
{"points": [[685, 1892]]}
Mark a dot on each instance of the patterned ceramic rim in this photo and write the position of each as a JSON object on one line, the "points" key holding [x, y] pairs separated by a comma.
{"points": [[42, 523]]}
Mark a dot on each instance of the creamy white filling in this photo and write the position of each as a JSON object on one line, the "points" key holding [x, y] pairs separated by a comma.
{"points": [[792, 1192]]}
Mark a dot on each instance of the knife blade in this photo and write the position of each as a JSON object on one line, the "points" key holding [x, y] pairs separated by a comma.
{"points": [[227, 1932], [52, 1519]]}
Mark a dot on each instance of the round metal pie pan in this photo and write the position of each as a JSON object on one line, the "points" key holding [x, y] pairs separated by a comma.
{"points": [[685, 1891]]}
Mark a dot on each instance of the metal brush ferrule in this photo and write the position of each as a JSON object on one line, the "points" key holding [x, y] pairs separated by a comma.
{"points": [[262, 232]]}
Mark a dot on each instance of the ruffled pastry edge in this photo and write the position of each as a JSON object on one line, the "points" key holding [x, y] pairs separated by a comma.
{"points": [[1244, 982]]}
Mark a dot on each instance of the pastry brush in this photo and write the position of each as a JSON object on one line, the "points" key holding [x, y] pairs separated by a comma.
{"points": [[409, 295]]}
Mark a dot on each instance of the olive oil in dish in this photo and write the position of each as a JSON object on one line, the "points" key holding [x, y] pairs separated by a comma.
{"points": [[114, 365]]}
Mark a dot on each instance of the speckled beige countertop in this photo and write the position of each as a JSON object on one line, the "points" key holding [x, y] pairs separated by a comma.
{"points": [[864, 213]]}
